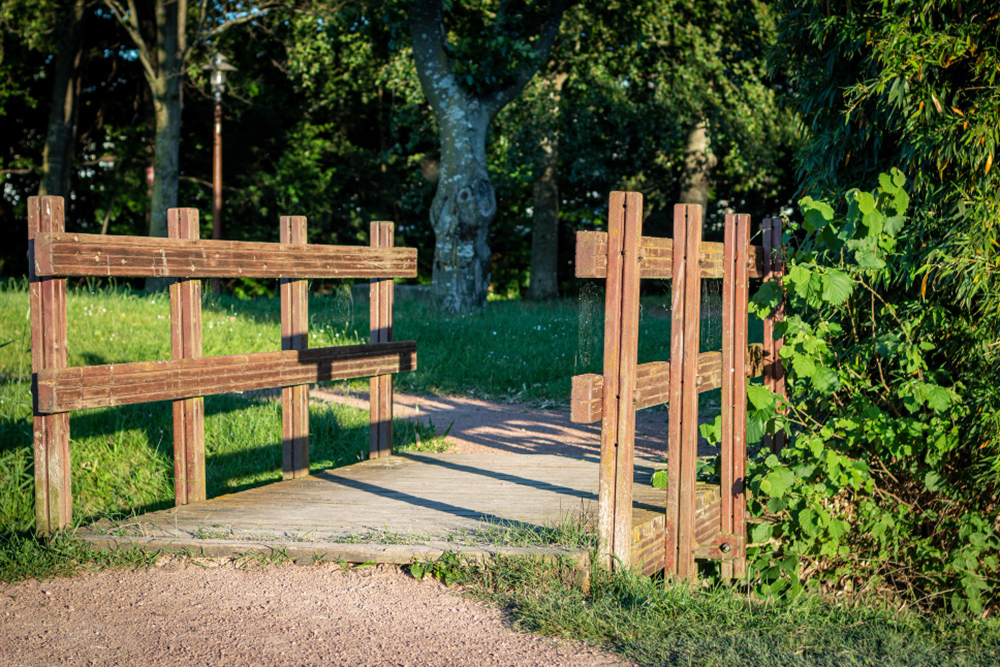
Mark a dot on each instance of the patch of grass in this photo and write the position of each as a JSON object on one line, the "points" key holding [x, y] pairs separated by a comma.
{"points": [[571, 532], [653, 624]]}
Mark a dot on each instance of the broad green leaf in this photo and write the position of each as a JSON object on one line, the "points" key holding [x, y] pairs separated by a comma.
{"points": [[837, 287], [816, 214], [803, 365], [938, 398], [761, 397]]}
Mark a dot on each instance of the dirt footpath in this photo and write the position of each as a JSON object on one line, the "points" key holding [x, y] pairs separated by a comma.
{"points": [[181, 613], [184, 614]]}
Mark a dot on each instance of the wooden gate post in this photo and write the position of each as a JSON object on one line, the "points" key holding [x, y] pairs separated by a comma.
{"points": [[685, 335], [380, 386], [735, 289], [621, 349], [774, 371], [294, 336], [53, 494], [185, 343]]}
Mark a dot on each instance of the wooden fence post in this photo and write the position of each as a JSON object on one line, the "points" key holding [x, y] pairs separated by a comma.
{"points": [[685, 334], [621, 345], [735, 289], [774, 371], [380, 387], [185, 343], [53, 488], [294, 336]]}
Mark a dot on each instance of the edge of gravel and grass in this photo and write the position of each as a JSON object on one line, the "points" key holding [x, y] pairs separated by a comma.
{"points": [[122, 465]]}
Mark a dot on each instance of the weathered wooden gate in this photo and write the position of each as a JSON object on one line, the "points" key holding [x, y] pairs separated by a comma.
{"points": [[699, 521], [188, 377]]}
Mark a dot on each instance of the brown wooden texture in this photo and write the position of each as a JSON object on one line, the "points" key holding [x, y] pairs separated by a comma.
{"points": [[185, 343], [774, 370], [629, 351], [727, 449], [739, 334], [294, 336], [380, 394], [82, 387], [61, 254], [683, 425], [47, 296], [734, 392], [653, 383], [620, 354], [657, 257]]}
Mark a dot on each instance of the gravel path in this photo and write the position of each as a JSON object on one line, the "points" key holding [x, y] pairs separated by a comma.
{"points": [[181, 614], [212, 613]]}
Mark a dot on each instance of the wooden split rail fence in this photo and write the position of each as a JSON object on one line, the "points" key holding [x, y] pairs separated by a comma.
{"points": [[698, 522], [59, 389]]}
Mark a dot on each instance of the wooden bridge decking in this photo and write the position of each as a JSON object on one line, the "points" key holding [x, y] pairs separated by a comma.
{"points": [[390, 510]]}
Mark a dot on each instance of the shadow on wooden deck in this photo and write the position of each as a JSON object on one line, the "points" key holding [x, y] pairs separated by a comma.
{"points": [[392, 510]]}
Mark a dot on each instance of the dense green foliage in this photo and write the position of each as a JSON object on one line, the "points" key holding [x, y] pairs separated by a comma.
{"points": [[892, 348], [881, 486]]}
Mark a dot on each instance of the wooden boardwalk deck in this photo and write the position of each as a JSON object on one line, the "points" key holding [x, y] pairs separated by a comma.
{"points": [[387, 510]]}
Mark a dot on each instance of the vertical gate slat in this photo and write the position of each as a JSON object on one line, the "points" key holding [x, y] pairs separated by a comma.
{"points": [[778, 271], [676, 392], [629, 351], [766, 231], [689, 398], [728, 451], [743, 259], [380, 387], [613, 299], [53, 488], [294, 336], [185, 343]]}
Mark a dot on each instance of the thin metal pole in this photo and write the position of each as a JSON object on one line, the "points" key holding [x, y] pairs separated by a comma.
{"points": [[217, 179]]}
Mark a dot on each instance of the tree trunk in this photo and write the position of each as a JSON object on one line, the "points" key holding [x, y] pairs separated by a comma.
{"points": [[545, 206], [60, 139], [465, 202], [698, 164], [165, 86], [463, 208]]}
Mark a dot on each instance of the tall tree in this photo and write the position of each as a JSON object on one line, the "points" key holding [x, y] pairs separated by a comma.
{"points": [[160, 35], [470, 67]]}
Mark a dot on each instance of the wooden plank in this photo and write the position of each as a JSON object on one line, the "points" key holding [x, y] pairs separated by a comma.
{"points": [[766, 229], [629, 356], [380, 387], [778, 369], [47, 298], [294, 336], [726, 454], [653, 383], [61, 254], [738, 492], [185, 343], [613, 298], [657, 257], [82, 387], [689, 398], [676, 392]]}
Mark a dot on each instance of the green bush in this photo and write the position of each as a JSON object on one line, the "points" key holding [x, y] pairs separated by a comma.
{"points": [[882, 487]]}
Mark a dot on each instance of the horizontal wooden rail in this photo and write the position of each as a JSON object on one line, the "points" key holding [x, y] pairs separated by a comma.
{"points": [[653, 383], [65, 254], [82, 387], [656, 259]]}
